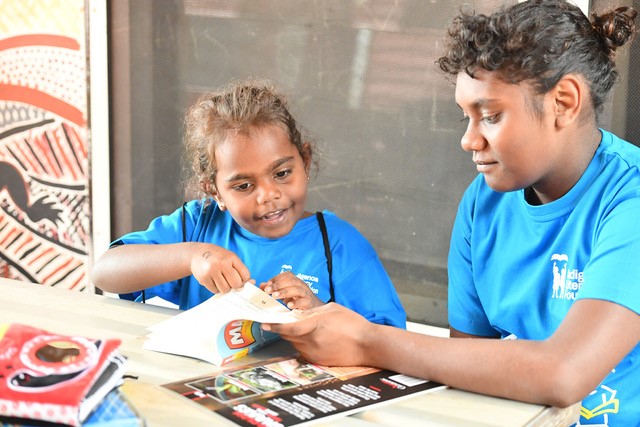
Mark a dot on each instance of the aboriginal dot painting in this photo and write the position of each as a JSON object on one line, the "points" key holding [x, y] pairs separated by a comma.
{"points": [[44, 169]]}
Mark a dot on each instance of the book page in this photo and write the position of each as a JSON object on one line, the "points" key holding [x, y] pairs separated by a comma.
{"points": [[247, 303], [262, 306], [224, 327]]}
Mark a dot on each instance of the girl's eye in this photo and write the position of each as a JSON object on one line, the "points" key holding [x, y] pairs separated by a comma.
{"points": [[492, 119], [283, 173], [242, 187]]}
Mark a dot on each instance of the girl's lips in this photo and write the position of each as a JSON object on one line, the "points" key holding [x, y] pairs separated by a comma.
{"points": [[484, 166], [273, 215]]}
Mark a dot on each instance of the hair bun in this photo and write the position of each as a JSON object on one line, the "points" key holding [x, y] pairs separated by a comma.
{"points": [[616, 27]]}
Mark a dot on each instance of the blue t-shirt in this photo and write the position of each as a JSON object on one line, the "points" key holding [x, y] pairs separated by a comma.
{"points": [[516, 269], [359, 278]]}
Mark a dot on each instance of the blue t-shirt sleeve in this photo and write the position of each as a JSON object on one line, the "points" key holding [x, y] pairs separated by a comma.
{"points": [[164, 230], [466, 313], [613, 271]]}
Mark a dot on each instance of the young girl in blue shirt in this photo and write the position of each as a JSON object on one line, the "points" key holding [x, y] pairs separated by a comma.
{"points": [[546, 240], [251, 163]]}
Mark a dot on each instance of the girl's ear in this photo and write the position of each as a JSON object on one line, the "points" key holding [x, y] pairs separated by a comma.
{"points": [[307, 155], [218, 200], [213, 192], [569, 96]]}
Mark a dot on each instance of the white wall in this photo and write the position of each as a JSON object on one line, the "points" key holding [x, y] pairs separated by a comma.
{"points": [[99, 128]]}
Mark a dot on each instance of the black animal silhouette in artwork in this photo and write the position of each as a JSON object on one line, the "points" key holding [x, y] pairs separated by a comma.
{"points": [[15, 183]]}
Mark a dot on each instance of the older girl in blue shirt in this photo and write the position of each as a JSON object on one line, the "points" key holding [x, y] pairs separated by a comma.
{"points": [[546, 241]]}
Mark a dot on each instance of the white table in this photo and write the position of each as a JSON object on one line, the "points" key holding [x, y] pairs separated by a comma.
{"points": [[96, 316]]}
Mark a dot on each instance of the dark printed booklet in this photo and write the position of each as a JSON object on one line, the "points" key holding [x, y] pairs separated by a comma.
{"points": [[288, 391]]}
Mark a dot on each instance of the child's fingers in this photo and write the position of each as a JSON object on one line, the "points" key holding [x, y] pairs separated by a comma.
{"points": [[267, 286], [295, 293], [276, 288], [216, 282], [284, 281], [220, 283], [303, 303], [242, 270], [233, 279], [289, 292]]}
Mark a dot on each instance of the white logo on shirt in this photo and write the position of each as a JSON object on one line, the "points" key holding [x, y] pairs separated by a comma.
{"points": [[566, 282], [309, 280]]}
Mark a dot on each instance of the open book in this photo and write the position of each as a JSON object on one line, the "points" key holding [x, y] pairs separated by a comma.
{"points": [[221, 329]]}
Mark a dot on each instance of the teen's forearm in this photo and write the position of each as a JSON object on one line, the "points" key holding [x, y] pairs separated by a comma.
{"points": [[514, 369], [558, 371], [132, 267]]}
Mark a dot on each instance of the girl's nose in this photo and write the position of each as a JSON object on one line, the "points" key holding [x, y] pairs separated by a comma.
{"points": [[268, 192], [472, 140]]}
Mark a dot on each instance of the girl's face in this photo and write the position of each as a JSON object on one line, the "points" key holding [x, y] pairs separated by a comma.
{"points": [[512, 146], [262, 181]]}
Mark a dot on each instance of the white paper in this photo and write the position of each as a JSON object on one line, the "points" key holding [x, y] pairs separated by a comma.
{"points": [[197, 331]]}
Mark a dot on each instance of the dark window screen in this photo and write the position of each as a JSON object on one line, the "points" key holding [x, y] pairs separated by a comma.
{"points": [[362, 79]]}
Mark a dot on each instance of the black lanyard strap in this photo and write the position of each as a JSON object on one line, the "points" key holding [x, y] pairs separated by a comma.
{"points": [[327, 252]]}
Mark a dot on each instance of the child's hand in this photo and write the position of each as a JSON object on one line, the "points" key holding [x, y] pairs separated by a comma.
{"points": [[292, 291], [218, 269]]}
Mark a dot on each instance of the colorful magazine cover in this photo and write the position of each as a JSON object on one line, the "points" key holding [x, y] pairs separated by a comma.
{"points": [[54, 378], [288, 391], [221, 329]]}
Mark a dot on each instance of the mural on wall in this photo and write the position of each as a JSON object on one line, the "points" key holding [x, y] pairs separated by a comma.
{"points": [[44, 169]]}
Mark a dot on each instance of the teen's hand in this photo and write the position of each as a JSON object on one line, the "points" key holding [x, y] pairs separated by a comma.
{"points": [[295, 293], [218, 269], [330, 335]]}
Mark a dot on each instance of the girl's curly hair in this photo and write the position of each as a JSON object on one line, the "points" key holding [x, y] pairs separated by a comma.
{"points": [[539, 42], [236, 108]]}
